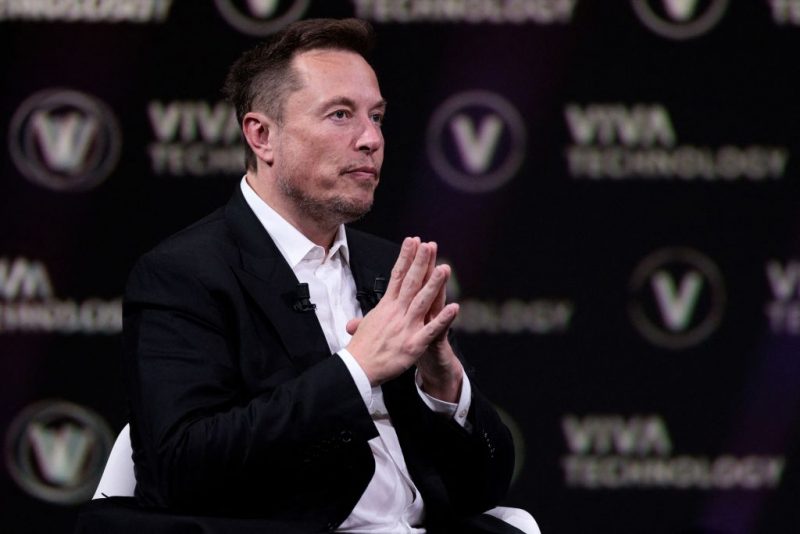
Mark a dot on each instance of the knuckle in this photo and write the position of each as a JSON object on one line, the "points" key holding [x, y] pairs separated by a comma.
{"points": [[408, 347], [416, 308]]}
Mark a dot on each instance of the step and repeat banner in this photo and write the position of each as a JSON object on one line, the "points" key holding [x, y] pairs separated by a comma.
{"points": [[616, 185]]}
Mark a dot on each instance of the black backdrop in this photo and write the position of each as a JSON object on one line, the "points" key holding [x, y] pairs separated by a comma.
{"points": [[614, 183]]}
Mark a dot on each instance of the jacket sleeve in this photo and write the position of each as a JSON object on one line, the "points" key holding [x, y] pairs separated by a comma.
{"points": [[201, 441], [472, 468], [475, 466]]}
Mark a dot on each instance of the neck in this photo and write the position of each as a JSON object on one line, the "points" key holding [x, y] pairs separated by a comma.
{"points": [[320, 233]]}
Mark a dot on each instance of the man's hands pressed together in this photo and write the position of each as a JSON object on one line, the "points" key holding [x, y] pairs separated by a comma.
{"points": [[409, 325]]}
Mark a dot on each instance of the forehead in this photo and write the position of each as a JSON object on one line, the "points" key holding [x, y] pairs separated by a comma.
{"points": [[335, 73]]}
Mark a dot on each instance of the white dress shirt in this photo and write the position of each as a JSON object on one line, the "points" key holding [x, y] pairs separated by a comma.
{"points": [[391, 502]]}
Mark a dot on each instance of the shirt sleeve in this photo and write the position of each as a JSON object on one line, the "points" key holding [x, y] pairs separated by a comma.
{"points": [[359, 376], [457, 411]]}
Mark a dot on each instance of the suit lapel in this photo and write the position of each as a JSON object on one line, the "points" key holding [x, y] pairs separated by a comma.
{"points": [[268, 279], [273, 289], [365, 271], [271, 283]]}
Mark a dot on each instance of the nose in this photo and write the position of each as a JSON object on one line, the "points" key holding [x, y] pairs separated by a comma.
{"points": [[371, 138]]}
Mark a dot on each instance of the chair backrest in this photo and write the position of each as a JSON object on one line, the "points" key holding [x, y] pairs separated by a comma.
{"points": [[118, 479]]}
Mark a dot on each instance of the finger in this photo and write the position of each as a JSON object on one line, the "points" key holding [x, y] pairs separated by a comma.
{"points": [[441, 298], [352, 325], [432, 263], [415, 277], [437, 327], [407, 252], [420, 306]]}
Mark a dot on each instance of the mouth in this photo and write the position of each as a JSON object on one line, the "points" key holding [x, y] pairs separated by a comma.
{"points": [[363, 172]]}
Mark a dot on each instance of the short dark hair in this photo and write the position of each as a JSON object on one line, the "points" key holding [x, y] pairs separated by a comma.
{"points": [[262, 77]]}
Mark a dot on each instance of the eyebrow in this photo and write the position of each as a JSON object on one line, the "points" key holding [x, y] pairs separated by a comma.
{"points": [[349, 102]]}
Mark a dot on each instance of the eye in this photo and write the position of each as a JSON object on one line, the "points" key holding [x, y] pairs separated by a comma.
{"points": [[377, 118], [340, 114]]}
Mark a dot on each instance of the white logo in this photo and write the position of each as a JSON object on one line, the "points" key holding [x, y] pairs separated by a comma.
{"points": [[513, 316], [677, 298], [96, 11], [639, 142], [195, 138], [24, 279], [786, 11], [29, 304], [471, 12], [261, 17], [64, 140], [680, 19], [614, 452], [56, 450], [783, 309], [639, 435], [476, 141], [637, 125]]}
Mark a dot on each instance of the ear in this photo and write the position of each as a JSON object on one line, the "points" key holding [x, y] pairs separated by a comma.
{"points": [[258, 131]]}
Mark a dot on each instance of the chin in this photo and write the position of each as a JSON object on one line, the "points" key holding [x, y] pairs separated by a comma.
{"points": [[350, 210]]}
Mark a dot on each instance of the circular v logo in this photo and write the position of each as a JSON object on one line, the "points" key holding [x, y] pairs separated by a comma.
{"points": [[680, 19]]}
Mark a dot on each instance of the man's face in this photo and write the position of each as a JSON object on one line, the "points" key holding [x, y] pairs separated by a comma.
{"points": [[328, 151]]}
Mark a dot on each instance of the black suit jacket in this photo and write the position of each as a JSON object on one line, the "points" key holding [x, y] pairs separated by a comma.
{"points": [[239, 409]]}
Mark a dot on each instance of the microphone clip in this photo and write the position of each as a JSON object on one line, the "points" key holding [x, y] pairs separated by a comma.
{"points": [[302, 301], [369, 299]]}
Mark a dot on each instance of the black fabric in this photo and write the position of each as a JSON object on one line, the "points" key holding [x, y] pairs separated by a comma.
{"points": [[239, 410], [481, 524], [123, 515]]}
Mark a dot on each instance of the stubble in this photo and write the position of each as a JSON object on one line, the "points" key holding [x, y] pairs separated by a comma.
{"points": [[331, 211]]}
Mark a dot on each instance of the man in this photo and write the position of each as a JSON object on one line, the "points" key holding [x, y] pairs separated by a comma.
{"points": [[289, 373]]}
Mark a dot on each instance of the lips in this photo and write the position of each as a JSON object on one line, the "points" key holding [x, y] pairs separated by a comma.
{"points": [[364, 172], [365, 168]]}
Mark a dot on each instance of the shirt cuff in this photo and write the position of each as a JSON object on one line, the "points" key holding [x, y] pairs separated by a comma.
{"points": [[458, 411], [359, 376]]}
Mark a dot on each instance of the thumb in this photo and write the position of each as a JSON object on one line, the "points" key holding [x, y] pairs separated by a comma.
{"points": [[352, 325]]}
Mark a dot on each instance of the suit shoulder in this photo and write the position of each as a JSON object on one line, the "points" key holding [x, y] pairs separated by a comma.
{"points": [[196, 248], [376, 246]]}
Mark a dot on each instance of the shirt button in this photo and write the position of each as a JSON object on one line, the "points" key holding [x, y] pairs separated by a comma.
{"points": [[462, 413]]}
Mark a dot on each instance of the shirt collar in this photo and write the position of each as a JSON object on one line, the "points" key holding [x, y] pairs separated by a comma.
{"points": [[293, 245]]}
